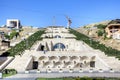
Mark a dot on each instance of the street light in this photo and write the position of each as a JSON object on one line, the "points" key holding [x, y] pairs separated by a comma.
{"points": [[26, 43], [90, 41]]}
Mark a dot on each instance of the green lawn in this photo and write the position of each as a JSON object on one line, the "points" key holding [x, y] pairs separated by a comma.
{"points": [[41, 79], [50, 79], [77, 78], [9, 72], [6, 75]]}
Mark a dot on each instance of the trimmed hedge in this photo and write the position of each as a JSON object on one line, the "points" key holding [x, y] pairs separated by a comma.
{"points": [[95, 44]]}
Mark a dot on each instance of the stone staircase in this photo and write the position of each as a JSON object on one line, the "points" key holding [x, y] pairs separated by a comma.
{"points": [[19, 62], [113, 62]]}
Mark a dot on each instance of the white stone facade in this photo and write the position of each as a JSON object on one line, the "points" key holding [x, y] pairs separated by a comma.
{"points": [[13, 23], [62, 53], [116, 36]]}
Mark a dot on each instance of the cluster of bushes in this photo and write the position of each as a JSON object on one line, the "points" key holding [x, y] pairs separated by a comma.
{"points": [[25, 44], [101, 26], [9, 72], [12, 35], [101, 30], [96, 45]]}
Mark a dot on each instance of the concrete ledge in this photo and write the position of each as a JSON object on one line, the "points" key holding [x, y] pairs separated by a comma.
{"points": [[100, 70], [111, 71], [70, 71], [80, 70], [49, 71], [90, 71], [26, 72], [61, 71], [38, 71], [9, 59]]}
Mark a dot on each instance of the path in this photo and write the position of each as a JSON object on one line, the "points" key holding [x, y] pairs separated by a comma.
{"points": [[33, 76]]}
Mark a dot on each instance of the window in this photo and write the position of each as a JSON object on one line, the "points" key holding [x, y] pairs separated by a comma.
{"points": [[57, 36], [59, 46]]}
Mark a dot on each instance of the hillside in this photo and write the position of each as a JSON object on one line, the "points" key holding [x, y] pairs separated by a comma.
{"points": [[94, 24], [92, 31]]}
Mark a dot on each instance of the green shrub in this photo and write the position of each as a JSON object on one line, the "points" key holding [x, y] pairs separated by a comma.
{"points": [[13, 34], [101, 26], [7, 36], [100, 32], [9, 72]]}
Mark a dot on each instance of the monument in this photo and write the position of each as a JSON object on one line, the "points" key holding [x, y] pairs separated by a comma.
{"points": [[69, 22]]}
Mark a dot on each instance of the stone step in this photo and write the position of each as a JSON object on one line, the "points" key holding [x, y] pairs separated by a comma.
{"points": [[18, 63]]}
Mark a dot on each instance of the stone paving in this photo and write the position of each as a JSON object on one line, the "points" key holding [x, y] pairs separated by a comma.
{"points": [[33, 76]]}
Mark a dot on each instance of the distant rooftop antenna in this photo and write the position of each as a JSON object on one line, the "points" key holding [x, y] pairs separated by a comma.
{"points": [[69, 22], [54, 21]]}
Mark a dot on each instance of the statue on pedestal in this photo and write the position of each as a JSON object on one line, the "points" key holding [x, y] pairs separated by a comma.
{"points": [[69, 22]]}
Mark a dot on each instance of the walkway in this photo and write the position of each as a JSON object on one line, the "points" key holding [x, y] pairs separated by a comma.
{"points": [[33, 76]]}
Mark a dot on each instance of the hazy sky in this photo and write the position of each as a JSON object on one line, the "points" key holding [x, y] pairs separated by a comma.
{"points": [[52, 12]]}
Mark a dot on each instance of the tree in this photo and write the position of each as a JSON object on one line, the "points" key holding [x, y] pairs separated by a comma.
{"points": [[7, 36], [13, 34], [100, 32], [101, 26]]}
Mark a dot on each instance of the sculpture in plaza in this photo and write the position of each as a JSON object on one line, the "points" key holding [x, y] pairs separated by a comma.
{"points": [[69, 22]]}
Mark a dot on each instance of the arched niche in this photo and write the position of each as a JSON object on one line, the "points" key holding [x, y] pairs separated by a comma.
{"points": [[57, 36], [59, 46]]}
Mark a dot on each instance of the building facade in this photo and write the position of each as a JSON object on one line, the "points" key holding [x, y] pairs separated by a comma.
{"points": [[113, 30], [59, 51], [13, 23]]}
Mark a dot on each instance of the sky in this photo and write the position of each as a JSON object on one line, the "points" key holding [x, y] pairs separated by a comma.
{"points": [[42, 13]]}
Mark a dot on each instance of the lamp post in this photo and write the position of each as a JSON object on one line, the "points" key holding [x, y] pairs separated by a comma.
{"points": [[26, 43], [90, 41]]}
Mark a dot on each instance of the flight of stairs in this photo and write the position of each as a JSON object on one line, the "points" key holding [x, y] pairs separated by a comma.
{"points": [[113, 62], [19, 62]]}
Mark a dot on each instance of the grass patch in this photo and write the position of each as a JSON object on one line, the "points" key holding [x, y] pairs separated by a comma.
{"points": [[50, 79], [78, 78], [9, 72], [6, 75]]}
